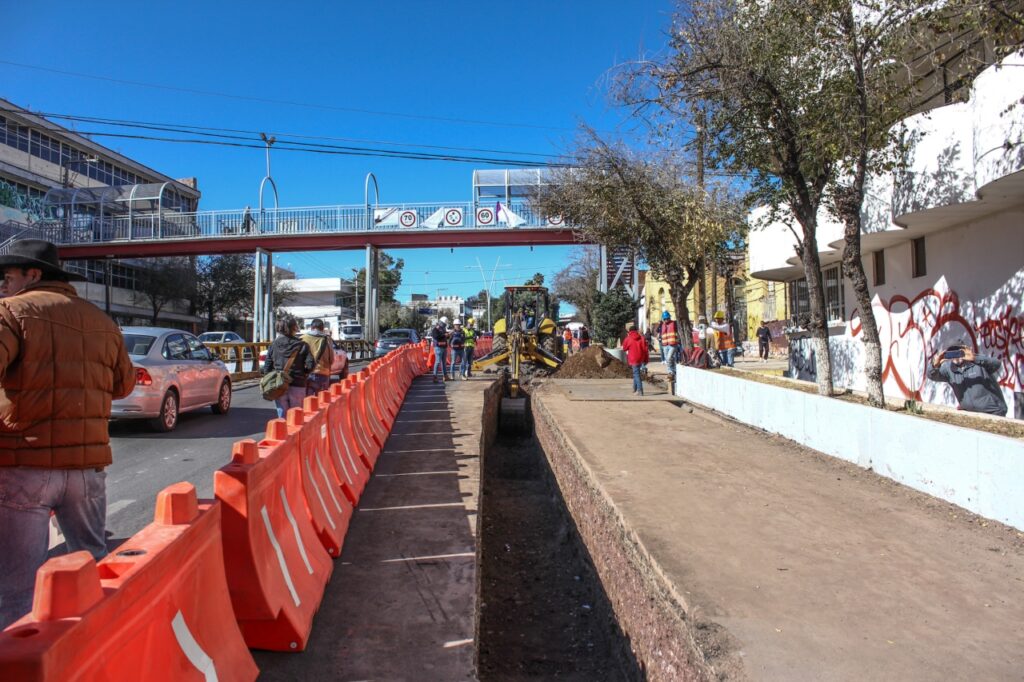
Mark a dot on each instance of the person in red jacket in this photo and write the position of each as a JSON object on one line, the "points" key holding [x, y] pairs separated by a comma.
{"points": [[636, 355]]}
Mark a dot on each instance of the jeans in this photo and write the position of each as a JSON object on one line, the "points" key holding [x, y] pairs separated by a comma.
{"points": [[439, 361], [762, 350], [27, 495], [661, 349], [671, 356], [316, 383], [638, 384], [293, 397], [467, 362], [726, 356], [458, 357]]}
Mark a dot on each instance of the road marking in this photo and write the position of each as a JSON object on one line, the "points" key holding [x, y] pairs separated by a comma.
{"points": [[403, 452], [190, 647], [414, 506], [117, 506], [456, 642], [418, 473], [459, 555]]}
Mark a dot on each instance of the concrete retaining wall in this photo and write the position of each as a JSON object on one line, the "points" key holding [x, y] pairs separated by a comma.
{"points": [[981, 472]]}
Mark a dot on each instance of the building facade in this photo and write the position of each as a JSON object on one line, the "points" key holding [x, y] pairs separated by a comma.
{"points": [[943, 247]]}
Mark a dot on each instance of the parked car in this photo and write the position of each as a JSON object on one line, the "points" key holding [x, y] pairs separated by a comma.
{"points": [[339, 367], [226, 337], [174, 373], [392, 339]]}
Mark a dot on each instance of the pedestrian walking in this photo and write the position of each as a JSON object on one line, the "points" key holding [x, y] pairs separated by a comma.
{"points": [[62, 361], [470, 348], [584, 338], [290, 354], [669, 338], [636, 356], [566, 342], [457, 340], [439, 337], [322, 350], [764, 338]]}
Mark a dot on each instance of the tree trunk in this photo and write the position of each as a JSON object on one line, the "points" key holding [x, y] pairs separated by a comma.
{"points": [[816, 295], [702, 290], [714, 286], [853, 267], [680, 291]]}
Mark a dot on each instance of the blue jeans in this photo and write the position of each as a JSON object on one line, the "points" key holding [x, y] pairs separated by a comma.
{"points": [[671, 356], [440, 361], [316, 383], [293, 397], [79, 499], [467, 362], [458, 355], [638, 384], [726, 356]]}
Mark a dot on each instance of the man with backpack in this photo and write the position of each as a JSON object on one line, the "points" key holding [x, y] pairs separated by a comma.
{"points": [[439, 337], [323, 357], [457, 340]]}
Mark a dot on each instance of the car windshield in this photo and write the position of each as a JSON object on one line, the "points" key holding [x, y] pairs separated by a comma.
{"points": [[396, 334], [211, 337], [137, 344], [352, 329]]}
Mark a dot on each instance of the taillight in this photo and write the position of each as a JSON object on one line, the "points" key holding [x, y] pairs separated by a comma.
{"points": [[142, 377]]}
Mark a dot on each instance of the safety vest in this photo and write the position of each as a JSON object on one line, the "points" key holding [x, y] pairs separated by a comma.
{"points": [[669, 335], [567, 335], [470, 335], [725, 341]]}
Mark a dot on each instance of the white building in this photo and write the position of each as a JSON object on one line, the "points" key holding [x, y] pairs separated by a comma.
{"points": [[331, 299], [943, 248]]}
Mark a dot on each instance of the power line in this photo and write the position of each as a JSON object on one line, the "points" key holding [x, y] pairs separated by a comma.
{"points": [[268, 100]]}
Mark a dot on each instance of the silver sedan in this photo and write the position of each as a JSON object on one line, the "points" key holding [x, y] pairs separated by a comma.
{"points": [[174, 373]]}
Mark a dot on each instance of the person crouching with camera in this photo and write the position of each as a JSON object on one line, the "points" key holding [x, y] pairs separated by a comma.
{"points": [[973, 378]]}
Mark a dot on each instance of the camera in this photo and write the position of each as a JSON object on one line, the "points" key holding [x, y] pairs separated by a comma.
{"points": [[953, 354]]}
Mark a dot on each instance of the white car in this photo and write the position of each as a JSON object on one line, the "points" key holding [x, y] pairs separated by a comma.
{"points": [[350, 332], [174, 373], [226, 337]]}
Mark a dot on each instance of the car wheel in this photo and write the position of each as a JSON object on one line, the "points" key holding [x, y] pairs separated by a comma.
{"points": [[223, 403], [168, 418]]}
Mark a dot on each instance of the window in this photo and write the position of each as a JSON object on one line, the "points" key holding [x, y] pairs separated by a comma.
{"points": [[879, 258], [917, 255], [175, 348], [799, 301], [832, 280]]}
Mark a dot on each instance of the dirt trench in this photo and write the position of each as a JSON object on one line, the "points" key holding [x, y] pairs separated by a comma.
{"points": [[543, 613]]}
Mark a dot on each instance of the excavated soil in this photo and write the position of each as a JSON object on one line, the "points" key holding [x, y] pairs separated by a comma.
{"points": [[585, 365]]}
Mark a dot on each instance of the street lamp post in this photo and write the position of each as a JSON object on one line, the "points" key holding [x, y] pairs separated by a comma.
{"points": [[355, 288], [488, 287]]}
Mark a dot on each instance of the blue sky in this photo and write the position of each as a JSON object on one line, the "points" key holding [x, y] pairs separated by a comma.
{"points": [[526, 72]]}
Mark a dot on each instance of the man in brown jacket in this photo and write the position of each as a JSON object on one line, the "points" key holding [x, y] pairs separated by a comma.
{"points": [[62, 361]]}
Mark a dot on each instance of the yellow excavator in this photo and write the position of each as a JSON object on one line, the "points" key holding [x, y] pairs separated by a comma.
{"points": [[526, 334]]}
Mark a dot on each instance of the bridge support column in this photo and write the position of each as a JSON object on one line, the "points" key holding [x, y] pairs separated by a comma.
{"points": [[268, 300], [602, 277], [263, 297], [257, 297], [372, 292]]}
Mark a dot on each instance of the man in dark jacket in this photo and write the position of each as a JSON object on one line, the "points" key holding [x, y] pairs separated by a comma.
{"points": [[439, 337], [62, 361], [973, 379], [286, 346]]}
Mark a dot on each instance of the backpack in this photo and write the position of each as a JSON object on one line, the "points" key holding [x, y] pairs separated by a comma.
{"points": [[698, 358], [275, 383]]}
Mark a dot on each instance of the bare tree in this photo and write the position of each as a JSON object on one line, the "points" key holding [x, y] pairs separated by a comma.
{"points": [[620, 199], [162, 281], [576, 283]]}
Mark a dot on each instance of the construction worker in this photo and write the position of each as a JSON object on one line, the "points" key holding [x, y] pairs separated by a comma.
{"points": [[668, 339], [439, 336], [467, 362], [566, 342], [457, 340], [584, 338], [726, 343]]}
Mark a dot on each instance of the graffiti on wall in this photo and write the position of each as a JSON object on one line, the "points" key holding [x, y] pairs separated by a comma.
{"points": [[911, 330]]}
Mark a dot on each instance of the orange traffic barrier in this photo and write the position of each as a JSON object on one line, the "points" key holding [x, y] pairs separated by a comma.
{"points": [[352, 471], [277, 569], [329, 509], [355, 427], [364, 407], [156, 609]]}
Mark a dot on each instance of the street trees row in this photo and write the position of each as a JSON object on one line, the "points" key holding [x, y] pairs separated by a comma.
{"points": [[796, 106]]}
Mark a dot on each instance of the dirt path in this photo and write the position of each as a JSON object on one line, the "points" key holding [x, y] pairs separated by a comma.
{"points": [[801, 566]]}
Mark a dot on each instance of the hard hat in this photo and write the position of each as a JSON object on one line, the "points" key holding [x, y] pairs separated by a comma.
{"points": [[719, 315], [457, 323], [665, 315], [444, 319], [469, 320]]}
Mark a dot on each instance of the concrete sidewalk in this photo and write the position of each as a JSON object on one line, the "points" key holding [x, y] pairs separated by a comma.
{"points": [[401, 604], [730, 554]]}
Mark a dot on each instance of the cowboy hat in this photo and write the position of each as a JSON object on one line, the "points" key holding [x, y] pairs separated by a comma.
{"points": [[36, 253]]}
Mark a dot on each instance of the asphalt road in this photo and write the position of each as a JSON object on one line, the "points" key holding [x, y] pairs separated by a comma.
{"points": [[146, 462]]}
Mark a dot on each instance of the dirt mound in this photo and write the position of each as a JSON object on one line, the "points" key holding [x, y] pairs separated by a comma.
{"points": [[588, 365]]}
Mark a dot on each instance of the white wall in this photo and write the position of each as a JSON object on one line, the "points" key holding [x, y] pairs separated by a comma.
{"points": [[973, 292], [978, 471]]}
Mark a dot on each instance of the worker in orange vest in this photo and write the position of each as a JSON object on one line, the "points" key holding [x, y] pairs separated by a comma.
{"points": [[668, 337], [566, 341], [726, 342]]}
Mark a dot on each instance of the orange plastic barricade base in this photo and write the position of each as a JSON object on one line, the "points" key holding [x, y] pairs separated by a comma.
{"points": [[156, 609], [349, 467], [277, 568]]}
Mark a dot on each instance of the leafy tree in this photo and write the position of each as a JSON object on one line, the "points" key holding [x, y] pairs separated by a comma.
{"points": [[396, 315], [389, 279], [162, 281], [646, 204], [577, 282], [611, 313]]}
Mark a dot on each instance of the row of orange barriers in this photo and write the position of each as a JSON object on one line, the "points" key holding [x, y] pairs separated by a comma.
{"points": [[190, 594]]}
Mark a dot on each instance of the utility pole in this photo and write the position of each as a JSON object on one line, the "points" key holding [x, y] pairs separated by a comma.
{"points": [[355, 288], [702, 295]]}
